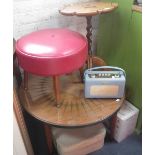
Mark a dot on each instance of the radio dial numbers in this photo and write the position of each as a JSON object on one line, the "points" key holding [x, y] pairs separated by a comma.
{"points": [[104, 75]]}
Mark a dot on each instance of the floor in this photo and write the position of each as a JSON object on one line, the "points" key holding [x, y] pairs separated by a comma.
{"points": [[130, 146]]}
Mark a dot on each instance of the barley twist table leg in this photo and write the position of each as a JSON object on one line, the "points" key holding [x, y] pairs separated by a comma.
{"points": [[89, 35]]}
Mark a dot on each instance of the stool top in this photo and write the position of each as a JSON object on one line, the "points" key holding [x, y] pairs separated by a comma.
{"points": [[52, 51], [51, 43]]}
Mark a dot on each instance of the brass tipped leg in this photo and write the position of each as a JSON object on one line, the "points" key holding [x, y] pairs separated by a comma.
{"points": [[25, 80], [56, 87]]}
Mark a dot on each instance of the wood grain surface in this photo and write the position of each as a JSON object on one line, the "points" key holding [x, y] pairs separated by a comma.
{"points": [[74, 109], [88, 8]]}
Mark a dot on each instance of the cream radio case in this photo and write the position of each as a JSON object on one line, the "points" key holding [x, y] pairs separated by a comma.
{"points": [[101, 83]]}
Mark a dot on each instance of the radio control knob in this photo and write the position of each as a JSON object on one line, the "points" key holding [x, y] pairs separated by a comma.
{"points": [[117, 76]]}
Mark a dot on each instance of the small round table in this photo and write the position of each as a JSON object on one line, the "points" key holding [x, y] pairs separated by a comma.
{"points": [[74, 111], [88, 10]]}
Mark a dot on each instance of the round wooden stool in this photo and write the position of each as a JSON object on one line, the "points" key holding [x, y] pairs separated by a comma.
{"points": [[51, 52]]}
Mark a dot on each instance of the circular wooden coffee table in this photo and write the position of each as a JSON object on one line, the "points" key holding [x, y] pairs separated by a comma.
{"points": [[88, 10], [74, 111]]}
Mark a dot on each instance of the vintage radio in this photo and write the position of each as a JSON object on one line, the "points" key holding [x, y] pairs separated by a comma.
{"points": [[107, 83]]}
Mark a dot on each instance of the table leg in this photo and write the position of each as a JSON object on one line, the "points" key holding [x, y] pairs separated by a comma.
{"points": [[91, 59], [56, 87], [112, 126], [81, 73], [48, 136], [16, 70], [25, 80], [89, 35]]}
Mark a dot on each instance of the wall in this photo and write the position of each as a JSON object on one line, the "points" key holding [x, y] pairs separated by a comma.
{"points": [[31, 15], [18, 144], [120, 44]]}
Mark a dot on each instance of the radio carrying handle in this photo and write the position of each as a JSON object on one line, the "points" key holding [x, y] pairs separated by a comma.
{"points": [[106, 67]]}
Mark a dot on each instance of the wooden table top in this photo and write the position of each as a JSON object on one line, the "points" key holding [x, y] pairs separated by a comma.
{"points": [[88, 8], [74, 111]]}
